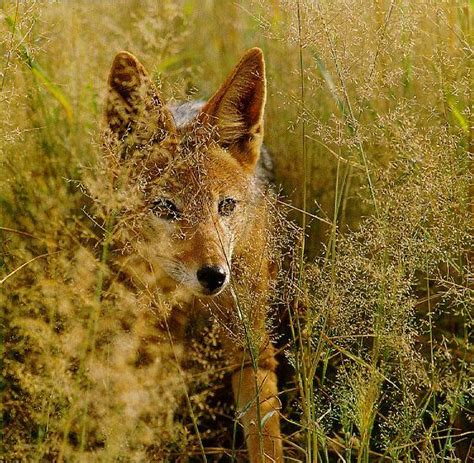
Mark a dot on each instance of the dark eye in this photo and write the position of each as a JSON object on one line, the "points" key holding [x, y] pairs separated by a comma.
{"points": [[226, 206], [165, 209]]}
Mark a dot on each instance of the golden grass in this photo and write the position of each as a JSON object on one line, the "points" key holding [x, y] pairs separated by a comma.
{"points": [[369, 122]]}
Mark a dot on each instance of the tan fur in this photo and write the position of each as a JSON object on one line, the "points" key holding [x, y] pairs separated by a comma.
{"points": [[196, 166]]}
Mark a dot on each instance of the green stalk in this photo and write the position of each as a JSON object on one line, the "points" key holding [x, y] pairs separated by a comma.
{"points": [[89, 341], [92, 325], [306, 380]]}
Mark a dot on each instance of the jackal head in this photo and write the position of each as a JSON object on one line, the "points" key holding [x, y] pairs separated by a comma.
{"points": [[196, 174]]}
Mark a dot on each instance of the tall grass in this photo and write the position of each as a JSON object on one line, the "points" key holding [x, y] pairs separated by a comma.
{"points": [[369, 122]]}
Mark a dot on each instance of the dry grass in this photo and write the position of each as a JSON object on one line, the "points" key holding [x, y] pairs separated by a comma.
{"points": [[369, 121]]}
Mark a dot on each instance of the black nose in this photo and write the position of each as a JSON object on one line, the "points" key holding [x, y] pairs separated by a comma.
{"points": [[211, 277]]}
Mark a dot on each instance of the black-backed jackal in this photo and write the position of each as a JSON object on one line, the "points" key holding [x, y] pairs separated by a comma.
{"points": [[204, 242]]}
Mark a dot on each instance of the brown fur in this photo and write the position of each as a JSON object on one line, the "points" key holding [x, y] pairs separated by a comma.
{"points": [[196, 165]]}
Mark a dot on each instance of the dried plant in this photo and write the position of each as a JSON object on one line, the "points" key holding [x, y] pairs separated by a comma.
{"points": [[369, 126]]}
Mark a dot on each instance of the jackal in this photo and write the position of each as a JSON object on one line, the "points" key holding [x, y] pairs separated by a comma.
{"points": [[203, 241]]}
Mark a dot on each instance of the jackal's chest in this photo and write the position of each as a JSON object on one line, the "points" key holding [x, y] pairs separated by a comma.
{"points": [[184, 315]]}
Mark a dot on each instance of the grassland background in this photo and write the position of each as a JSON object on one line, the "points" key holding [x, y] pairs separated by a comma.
{"points": [[369, 119]]}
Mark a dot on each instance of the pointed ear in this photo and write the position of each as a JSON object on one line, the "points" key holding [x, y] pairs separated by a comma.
{"points": [[134, 110], [236, 109]]}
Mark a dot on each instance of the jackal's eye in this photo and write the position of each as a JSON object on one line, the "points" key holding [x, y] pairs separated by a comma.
{"points": [[165, 209], [226, 206]]}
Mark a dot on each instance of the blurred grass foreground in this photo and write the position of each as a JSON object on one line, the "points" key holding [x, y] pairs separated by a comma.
{"points": [[369, 121]]}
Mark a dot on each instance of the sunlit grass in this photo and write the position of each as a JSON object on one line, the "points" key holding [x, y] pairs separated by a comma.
{"points": [[369, 124]]}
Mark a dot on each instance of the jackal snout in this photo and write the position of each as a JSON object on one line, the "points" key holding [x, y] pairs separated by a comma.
{"points": [[212, 278]]}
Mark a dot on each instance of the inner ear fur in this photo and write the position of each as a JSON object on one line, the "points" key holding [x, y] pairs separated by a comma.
{"points": [[236, 109], [134, 110]]}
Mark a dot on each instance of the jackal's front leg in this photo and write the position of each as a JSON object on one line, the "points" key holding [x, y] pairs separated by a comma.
{"points": [[255, 391]]}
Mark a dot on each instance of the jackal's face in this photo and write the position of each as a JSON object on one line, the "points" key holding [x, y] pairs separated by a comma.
{"points": [[197, 176]]}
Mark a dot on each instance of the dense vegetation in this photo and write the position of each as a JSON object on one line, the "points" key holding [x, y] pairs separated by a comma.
{"points": [[369, 120]]}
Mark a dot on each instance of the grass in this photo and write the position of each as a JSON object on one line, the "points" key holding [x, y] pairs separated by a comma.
{"points": [[369, 123]]}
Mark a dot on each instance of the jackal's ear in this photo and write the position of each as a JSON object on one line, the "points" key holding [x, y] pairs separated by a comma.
{"points": [[236, 109], [134, 110]]}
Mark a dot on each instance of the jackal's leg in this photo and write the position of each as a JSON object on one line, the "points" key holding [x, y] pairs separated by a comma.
{"points": [[255, 391]]}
